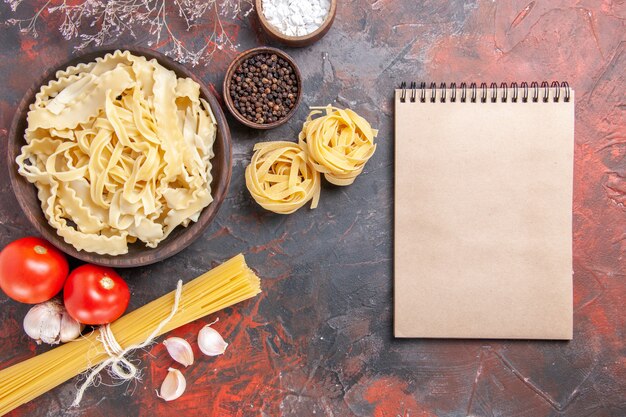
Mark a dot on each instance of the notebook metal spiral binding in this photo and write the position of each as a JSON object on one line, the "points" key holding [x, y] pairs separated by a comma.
{"points": [[506, 92]]}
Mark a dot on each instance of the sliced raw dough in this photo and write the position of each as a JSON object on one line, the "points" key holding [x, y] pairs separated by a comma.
{"points": [[281, 179], [339, 143], [120, 151]]}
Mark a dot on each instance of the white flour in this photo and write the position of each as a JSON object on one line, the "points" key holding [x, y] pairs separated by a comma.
{"points": [[296, 17]]}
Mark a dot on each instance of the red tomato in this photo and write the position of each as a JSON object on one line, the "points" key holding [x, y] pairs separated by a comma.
{"points": [[95, 295], [32, 270]]}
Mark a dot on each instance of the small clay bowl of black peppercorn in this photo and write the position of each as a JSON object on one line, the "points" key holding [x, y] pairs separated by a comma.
{"points": [[263, 87]]}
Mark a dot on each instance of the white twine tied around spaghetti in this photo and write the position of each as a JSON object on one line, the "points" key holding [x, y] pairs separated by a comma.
{"points": [[121, 367]]}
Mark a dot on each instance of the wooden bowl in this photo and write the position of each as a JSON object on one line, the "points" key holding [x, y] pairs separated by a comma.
{"points": [[231, 70], [296, 41], [138, 254]]}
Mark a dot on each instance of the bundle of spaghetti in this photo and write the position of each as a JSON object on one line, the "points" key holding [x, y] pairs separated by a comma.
{"points": [[223, 286]]}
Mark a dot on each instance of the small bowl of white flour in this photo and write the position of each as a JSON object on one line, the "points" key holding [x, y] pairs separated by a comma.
{"points": [[296, 22]]}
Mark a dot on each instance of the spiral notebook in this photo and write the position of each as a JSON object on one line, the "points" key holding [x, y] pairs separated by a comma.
{"points": [[483, 211]]}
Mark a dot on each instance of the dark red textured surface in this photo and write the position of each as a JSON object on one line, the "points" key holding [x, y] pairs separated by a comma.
{"points": [[319, 341]]}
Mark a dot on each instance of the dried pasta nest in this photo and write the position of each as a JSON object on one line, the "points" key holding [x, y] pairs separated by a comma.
{"points": [[119, 150], [338, 143], [281, 179]]}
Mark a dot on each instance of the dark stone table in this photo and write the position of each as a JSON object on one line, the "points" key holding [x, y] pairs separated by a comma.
{"points": [[319, 340]]}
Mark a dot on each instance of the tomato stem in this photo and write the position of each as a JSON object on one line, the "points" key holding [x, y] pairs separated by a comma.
{"points": [[107, 283], [40, 249]]}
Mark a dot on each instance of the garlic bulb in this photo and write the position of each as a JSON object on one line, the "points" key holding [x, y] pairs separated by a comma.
{"points": [[50, 323], [211, 342], [173, 385], [180, 350]]}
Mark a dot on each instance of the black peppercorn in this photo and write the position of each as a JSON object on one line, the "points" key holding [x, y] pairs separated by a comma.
{"points": [[264, 88]]}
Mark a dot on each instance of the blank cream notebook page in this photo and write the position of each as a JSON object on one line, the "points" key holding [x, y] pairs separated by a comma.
{"points": [[483, 213]]}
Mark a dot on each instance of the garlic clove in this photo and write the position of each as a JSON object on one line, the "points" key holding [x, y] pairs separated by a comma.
{"points": [[51, 331], [173, 385], [180, 350], [32, 322], [70, 328], [43, 322], [211, 342]]}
